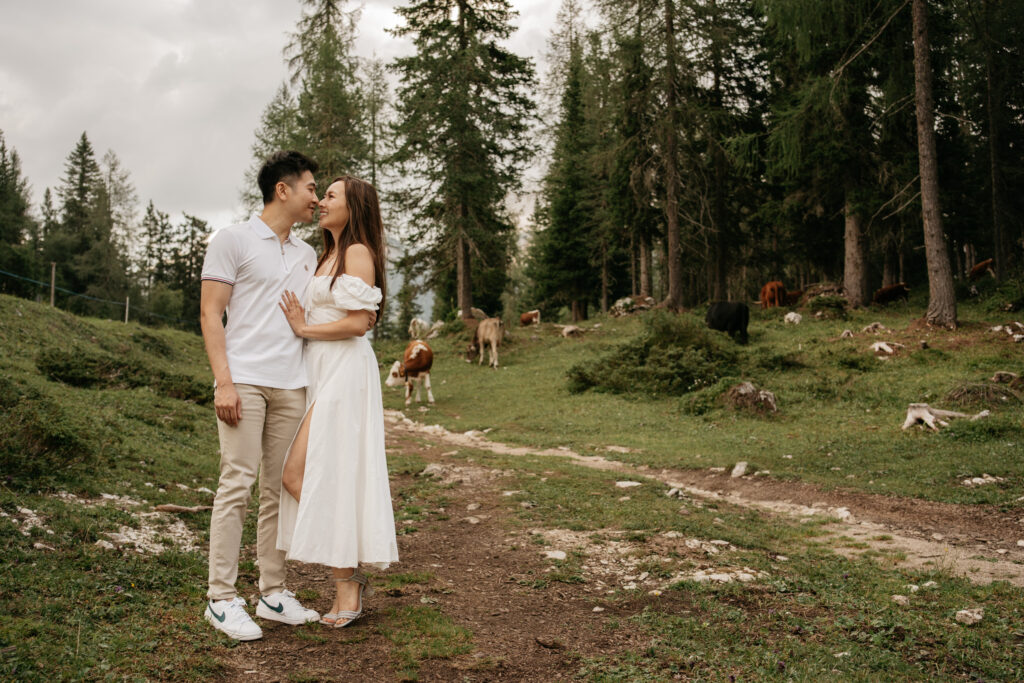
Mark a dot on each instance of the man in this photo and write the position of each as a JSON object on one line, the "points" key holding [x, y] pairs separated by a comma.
{"points": [[260, 381]]}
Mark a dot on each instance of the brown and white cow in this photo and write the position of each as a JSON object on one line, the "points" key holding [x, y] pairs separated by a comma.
{"points": [[530, 318], [773, 294], [488, 333], [981, 269], [414, 368]]}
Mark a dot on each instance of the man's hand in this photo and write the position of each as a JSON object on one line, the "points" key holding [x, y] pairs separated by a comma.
{"points": [[228, 404]]}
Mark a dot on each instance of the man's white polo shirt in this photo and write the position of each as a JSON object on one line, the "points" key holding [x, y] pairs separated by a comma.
{"points": [[261, 347]]}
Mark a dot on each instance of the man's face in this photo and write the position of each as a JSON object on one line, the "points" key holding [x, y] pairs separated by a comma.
{"points": [[300, 197]]}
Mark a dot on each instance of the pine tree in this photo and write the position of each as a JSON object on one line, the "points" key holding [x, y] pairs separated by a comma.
{"points": [[330, 97], [463, 114], [822, 129], [561, 266], [187, 265], [631, 187], [157, 239], [278, 129], [18, 250], [941, 297]]}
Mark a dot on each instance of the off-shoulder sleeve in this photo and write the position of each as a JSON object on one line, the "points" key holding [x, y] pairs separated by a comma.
{"points": [[352, 294]]}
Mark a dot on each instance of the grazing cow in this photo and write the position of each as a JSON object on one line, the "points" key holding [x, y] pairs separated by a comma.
{"points": [[418, 328], [887, 295], [414, 368], [488, 333], [773, 294], [793, 298], [978, 271], [530, 318], [731, 317]]}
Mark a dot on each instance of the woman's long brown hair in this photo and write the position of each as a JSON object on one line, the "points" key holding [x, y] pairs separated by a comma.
{"points": [[364, 227]]}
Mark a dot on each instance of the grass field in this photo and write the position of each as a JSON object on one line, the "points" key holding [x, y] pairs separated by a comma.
{"points": [[96, 407], [840, 408]]}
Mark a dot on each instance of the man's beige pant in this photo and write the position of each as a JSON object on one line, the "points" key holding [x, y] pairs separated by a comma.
{"points": [[258, 443]]}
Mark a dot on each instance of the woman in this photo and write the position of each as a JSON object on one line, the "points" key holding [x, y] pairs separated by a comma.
{"points": [[338, 508]]}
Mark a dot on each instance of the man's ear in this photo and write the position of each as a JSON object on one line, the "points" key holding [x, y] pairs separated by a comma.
{"points": [[281, 190]]}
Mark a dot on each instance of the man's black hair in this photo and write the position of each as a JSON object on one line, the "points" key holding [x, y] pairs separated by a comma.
{"points": [[282, 166]]}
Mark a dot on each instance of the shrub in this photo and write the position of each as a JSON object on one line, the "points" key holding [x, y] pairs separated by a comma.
{"points": [[41, 442], [829, 306], [85, 367], [673, 355]]}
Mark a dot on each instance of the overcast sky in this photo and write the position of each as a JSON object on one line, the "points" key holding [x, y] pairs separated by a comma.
{"points": [[175, 87]]}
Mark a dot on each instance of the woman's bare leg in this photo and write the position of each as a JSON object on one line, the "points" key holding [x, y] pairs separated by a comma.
{"points": [[346, 595], [295, 466]]}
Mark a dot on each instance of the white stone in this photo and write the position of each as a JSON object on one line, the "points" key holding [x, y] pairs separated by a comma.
{"points": [[473, 506], [938, 537], [472, 520], [623, 499], [627, 484], [598, 609], [793, 317], [739, 470], [930, 584], [554, 554], [912, 588], [901, 600], [970, 616]]}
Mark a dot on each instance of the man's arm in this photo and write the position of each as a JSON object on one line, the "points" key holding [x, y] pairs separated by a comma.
{"points": [[213, 301]]}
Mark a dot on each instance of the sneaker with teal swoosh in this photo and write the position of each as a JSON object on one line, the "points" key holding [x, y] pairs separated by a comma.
{"points": [[283, 607], [230, 617]]}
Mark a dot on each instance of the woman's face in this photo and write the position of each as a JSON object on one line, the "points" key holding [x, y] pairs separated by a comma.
{"points": [[333, 207]]}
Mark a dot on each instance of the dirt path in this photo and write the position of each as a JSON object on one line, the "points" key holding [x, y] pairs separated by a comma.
{"points": [[470, 563], [978, 542], [478, 572]]}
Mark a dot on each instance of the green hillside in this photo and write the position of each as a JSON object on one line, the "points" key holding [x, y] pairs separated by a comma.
{"points": [[101, 421]]}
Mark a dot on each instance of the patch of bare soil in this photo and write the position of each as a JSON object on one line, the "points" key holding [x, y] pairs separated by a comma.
{"points": [[484, 578], [978, 542]]}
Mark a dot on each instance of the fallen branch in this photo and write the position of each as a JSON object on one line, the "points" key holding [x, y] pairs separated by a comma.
{"points": [[171, 507], [922, 413]]}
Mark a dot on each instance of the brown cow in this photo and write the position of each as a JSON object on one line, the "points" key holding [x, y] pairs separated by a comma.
{"points": [[773, 294], [530, 318], [887, 295], [978, 271], [414, 368], [488, 333], [793, 298]]}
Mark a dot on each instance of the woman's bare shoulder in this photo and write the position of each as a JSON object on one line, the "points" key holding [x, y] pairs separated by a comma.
{"points": [[359, 262]]}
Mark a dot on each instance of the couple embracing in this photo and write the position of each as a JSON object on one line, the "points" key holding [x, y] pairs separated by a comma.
{"points": [[297, 396]]}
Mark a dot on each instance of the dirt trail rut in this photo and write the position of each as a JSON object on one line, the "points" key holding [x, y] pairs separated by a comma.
{"points": [[974, 541]]}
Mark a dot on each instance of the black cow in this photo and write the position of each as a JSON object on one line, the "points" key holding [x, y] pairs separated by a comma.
{"points": [[731, 317]]}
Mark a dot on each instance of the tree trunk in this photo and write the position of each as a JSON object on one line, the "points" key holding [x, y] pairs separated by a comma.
{"points": [[646, 267], [941, 297], [462, 277], [633, 283], [890, 262], [674, 300], [999, 242], [604, 278], [855, 265], [719, 189]]}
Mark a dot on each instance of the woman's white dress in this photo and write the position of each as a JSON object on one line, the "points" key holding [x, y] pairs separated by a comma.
{"points": [[344, 518]]}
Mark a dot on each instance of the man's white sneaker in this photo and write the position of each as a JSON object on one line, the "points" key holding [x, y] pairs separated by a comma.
{"points": [[230, 617], [285, 608]]}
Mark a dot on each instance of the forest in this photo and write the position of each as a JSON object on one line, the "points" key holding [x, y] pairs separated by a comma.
{"points": [[687, 150]]}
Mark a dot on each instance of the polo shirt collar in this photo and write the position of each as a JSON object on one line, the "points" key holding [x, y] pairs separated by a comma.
{"points": [[263, 230]]}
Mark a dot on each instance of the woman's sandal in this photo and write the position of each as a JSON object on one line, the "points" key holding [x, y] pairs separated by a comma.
{"points": [[343, 618]]}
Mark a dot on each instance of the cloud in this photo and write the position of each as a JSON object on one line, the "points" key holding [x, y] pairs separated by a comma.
{"points": [[176, 88]]}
